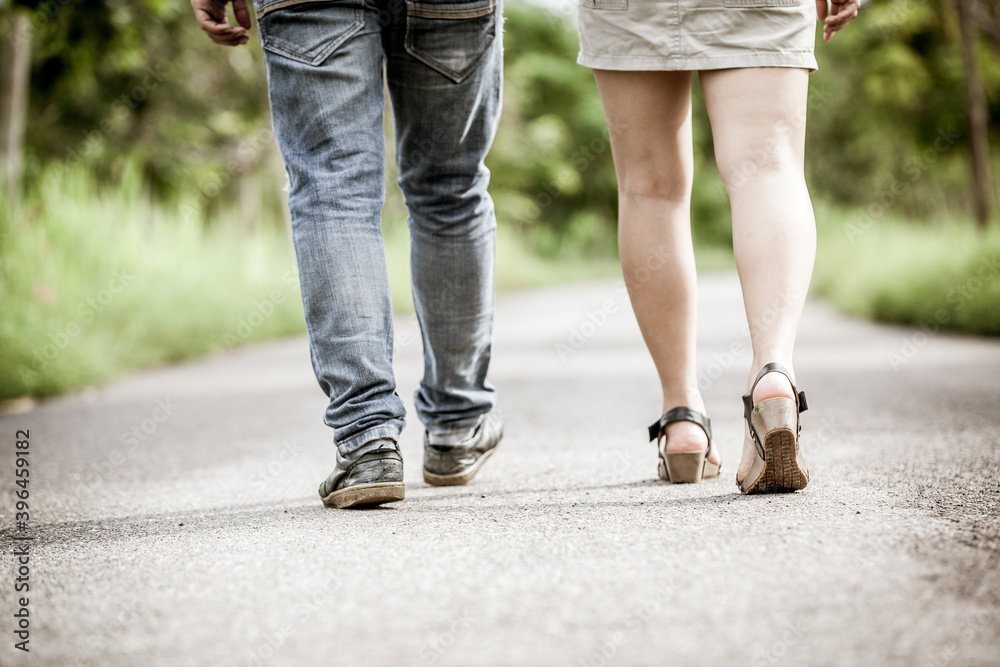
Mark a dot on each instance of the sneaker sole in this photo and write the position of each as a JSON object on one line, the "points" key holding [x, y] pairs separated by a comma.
{"points": [[366, 495], [458, 478]]}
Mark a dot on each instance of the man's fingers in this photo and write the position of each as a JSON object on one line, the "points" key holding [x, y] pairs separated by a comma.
{"points": [[211, 16], [217, 29], [242, 13], [230, 40], [223, 33], [205, 18], [206, 10]]}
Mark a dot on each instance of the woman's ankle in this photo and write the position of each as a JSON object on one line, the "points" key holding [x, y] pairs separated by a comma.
{"points": [[773, 385]]}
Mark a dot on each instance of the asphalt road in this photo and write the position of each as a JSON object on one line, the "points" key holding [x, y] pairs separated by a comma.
{"points": [[176, 521]]}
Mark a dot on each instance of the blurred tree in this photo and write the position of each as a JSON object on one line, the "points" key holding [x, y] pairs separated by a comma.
{"points": [[891, 134], [116, 81], [979, 135], [553, 176], [15, 59]]}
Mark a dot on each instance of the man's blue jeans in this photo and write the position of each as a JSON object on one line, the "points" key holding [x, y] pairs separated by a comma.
{"points": [[442, 65]]}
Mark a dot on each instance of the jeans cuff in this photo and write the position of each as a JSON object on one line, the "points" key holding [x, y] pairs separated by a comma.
{"points": [[389, 430]]}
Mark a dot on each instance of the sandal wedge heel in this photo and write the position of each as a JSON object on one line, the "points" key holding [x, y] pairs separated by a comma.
{"points": [[683, 467], [778, 466]]}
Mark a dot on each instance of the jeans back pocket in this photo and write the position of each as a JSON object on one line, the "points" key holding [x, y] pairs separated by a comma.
{"points": [[310, 32], [450, 37]]}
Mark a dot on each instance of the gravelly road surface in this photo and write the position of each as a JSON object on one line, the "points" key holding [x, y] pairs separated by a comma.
{"points": [[200, 539]]}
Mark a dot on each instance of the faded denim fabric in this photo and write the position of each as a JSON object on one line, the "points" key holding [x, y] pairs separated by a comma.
{"points": [[442, 64]]}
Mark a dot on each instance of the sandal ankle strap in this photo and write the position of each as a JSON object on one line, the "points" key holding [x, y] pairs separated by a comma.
{"points": [[773, 367], [800, 403], [682, 414]]}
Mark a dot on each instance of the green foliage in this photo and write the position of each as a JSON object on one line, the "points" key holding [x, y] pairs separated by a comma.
{"points": [[115, 82], [887, 119], [95, 284], [145, 138], [553, 176], [944, 276]]}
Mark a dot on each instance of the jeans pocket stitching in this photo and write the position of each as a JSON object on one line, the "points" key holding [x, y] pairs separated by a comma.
{"points": [[434, 63], [278, 45], [422, 10]]}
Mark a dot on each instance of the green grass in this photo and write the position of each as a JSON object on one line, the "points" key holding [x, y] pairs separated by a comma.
{"points": [[94, 284], [944, 275]]}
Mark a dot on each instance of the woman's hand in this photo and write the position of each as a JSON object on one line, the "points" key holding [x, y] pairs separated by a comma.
{"points": [[839, 14]]}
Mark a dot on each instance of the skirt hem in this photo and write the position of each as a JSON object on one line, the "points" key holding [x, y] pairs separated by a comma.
{"points": [[801, 60]]}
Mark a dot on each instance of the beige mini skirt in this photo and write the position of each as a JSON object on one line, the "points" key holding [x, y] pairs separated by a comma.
{"points": [[697, 34]]}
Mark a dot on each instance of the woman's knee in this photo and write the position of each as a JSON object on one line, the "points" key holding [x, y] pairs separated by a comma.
{"points": [[762, 162], [665, 183]]}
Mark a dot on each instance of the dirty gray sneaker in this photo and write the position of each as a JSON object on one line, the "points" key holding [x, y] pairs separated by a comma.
{"points": [[374, 478], [454, 459]]}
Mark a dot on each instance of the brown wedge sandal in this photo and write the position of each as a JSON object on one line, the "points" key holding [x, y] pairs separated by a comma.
{"points": [[774, 426], [683, 467]]}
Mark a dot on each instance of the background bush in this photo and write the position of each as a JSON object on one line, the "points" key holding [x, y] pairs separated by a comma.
{"points": [[149, 154]]}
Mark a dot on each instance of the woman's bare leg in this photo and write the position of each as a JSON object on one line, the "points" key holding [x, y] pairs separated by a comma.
{"points": [[758, 123], [649, 121]]}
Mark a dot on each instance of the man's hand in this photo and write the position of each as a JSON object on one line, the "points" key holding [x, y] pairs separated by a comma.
{"points": [[211, 15], [840, 13]]}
